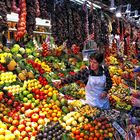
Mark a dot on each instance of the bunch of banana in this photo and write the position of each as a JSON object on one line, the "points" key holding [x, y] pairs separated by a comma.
{"points": [[76, 103]]}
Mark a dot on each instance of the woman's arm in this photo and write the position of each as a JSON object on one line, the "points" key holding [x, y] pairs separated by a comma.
{"points": [[81, 75]]}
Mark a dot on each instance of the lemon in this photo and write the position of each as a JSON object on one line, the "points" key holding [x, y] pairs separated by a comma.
{"points": [[2, 137]]}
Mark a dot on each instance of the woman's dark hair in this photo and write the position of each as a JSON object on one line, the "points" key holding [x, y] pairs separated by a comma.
{"points": [[97, 56]]}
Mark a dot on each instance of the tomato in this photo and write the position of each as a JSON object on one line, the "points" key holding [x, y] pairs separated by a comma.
{"points": [[91, 129], [82, 135], [97, 135], [80, 139], [86, 137], [90, 138], [77, 132], [95, 138], [86, 127], [77, 137]]}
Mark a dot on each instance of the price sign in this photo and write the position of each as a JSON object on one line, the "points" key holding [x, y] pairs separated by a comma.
{"points": [[119, 129]]}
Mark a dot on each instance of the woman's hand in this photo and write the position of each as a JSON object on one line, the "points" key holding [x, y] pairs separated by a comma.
{"points": [[103, 95]]}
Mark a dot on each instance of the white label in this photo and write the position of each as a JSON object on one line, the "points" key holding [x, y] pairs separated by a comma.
{"points": [[119, 129]]}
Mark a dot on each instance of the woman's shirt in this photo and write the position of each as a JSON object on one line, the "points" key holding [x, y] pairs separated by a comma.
{"points": [[84, 74]]}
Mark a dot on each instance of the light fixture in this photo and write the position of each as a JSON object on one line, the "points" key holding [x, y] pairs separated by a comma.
{"points": [[128, 9], [112, 6], [136, 14], [118, 12], [88, 3]]}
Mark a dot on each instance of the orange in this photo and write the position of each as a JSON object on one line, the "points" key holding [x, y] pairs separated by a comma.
{"points": [[55, 119], [50, 111], [50, 105], [53, 114], [55, 111], [50, 93], [55, 107], [47, 109], [58, 114], [50, 118], [50, 89]]}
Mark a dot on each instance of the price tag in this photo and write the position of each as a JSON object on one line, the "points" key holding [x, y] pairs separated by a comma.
{"points": [[119, 129]]}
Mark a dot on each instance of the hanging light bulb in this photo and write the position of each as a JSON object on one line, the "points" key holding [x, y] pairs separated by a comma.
{"points": [[136, 14], [112, 6], [128, 9], [118, 12]]}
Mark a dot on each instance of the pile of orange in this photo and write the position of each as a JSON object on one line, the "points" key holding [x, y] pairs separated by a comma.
{"points": [[53, 112]]}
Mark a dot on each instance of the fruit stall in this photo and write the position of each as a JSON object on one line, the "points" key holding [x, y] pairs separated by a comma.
{"points": [[37, 53]]}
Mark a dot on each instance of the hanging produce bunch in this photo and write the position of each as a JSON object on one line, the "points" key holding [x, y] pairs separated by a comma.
{"points": [[21, 26]]}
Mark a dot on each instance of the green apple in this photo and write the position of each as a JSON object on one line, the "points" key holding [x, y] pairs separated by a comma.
{"points": [[36, 102], [30, 96], [29, 101], [25, 99], [33, 100], [25, 93]]}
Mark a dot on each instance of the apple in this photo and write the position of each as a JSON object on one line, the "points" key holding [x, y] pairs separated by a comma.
{"points": [[22, 109], [15, 122], [15, 104], [42, 115], [28, 113], [12, 128], [16, 116], [28, 129], [35, 117], [21, 127], [5, 119], [34, 125], [28, 123], [9, 94], [41, 121], [27, 105], [22, 121], [36, 110], [23, 134]]}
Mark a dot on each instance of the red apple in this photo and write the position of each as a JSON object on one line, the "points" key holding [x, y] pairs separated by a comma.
{"points": [[23, 134], [21, 127], [41, 121], [28, 113], [36, 110], [42, 115], [34, 125], [16, 116], [35, 117], [15, 122], [28, 129], [12, 128], [27, 105], [22, 109], [22, 121]]}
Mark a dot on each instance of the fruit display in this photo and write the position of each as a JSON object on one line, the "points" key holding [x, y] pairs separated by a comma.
{"points": [[13, 89], [73, 90], [73, 120], [89, 111], [76, 103], [51, 131], [7, 77], [99, 129]]}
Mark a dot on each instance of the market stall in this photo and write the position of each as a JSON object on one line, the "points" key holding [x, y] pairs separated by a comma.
{"points": [[45, 41]]}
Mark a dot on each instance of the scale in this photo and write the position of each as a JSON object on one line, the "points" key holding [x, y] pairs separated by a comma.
{"points": [[89, 48]]}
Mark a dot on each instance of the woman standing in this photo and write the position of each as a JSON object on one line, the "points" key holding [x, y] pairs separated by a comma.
{"points": [[97, 80]]}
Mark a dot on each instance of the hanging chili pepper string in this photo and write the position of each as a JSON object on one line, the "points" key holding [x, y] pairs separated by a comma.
{"points": [[85, 8]]}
